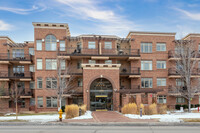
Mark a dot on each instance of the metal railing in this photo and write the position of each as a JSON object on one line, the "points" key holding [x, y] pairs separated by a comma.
{"points": [[174, 71], [130, 71], [174, 54], [15, 57], [22, 93], [6, 74], [103, 51]]}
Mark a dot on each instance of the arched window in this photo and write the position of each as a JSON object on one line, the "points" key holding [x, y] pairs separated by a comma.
{"points": [[50, 43]]}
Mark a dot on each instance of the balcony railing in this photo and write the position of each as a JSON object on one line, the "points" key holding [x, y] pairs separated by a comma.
{"points": [[173, 71], [130, 71], [15, 57], [6, 74], [73, 72], [22, 93], [107, 52], [174, 54], [132, 87]]}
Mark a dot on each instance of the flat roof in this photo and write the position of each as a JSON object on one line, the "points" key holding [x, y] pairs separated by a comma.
{"points": [[8, 38], [150, 33], [191, 35], [52, 25]]}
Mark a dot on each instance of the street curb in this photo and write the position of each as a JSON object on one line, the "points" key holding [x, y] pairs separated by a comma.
{"points": [[99, 124]]}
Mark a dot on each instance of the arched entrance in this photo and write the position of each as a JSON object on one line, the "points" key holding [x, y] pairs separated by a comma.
{"points": [[101, 95]]}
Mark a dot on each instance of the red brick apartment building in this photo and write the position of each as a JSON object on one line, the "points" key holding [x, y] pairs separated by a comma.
{"points": [[110, 71]]}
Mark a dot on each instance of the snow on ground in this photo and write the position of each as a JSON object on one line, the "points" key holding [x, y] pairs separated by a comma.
{"points": [[87, 115], [170, 117], [44, 118]]}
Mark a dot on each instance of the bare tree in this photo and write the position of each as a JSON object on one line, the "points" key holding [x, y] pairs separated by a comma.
{"points": [[15, 93], [186, 66], [66, 79], [2, 89]]}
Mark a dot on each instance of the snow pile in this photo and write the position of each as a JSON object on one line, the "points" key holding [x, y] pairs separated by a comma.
{"points": [[45, 118], [87, 115], [175, 117]]}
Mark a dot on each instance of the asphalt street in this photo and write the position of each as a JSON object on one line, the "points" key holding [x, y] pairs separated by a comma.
{"points": [[99, 129]]}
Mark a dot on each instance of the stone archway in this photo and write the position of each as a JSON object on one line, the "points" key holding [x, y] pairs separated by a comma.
{"points": [[101, 95]]}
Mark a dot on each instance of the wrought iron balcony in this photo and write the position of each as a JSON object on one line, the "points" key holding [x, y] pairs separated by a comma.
{"points": [[173, 53], [130, 71], [95, 52], [15, 75], [15, 57], [173, 71], [20, 93]]}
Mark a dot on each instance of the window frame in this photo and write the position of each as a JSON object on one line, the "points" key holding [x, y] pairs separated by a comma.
{"points": [[163, 98], [150, 82], [89, 45], [180, 100], [160, 48], [39, 61], [161, 81], [39, 79], [49, 63], [144, 63], [162, 64], [51, 41], [145, 45], [107, 45], [39, 45], [51, 84], [108, 61], [62, 48], [52, 100], [40, 98]]}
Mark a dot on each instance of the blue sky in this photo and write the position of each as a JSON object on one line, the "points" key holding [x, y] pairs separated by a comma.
{"points": [[113, 17]]}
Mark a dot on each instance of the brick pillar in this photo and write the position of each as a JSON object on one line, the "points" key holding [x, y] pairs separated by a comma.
{"points": [[125, 100], [138, 99], [150, 96]]}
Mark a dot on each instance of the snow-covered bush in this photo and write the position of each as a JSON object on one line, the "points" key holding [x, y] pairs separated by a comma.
{"points": [[130, 108], [71, 111]]}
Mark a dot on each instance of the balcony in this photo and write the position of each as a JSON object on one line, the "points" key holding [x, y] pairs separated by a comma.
{"points": [[78, 72], [132, 72], [173, 73], [98, 52], [172, 55], [22, 76], [6, 58], [23, 94], [172, 91]]}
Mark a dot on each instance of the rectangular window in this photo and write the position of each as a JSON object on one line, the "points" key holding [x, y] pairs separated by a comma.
{"points": [[161, 47], [146, 47], [62, 45], [39, 64], [22, 103], [18, 53], [161, 81], [39, 83], [80, 82], [51, 83], [91, 45], [62, 64], [108, 45], [38, 44], [31, 68], [161, 64], [40, 102], [146, 65], [32, 85], [198, 64], [92, 62], [108, 61], [146, 82], [51, 64], [51, 102], [199, 48], [161, 99], [31, 51], [180, 100], [79, 64], [18, 69], [179, 82]]}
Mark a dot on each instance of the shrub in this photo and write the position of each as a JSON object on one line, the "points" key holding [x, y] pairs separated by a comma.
{"points": [[162, 109], [146, 110], [71, 111], [83, 109], [130, 108], [185, 106], [153, 109], [197, 105], [177, 106], [192, 106]]}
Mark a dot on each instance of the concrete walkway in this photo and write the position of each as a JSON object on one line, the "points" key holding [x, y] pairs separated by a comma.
{"points": [[109, 116]]}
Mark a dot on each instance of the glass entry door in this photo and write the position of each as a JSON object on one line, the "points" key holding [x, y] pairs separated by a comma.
{"points": [[101, 95]]}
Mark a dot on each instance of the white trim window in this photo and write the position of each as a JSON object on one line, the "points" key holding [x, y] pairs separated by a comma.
{"points": [[161, 81], [161, 64], [80, 82], [91, 45], [51, 83], [51, 102], [32, 68], [51, 64], [108, 45], [108, 61], [62, 45], [31, 51], [62, 64], [180, 100], [40, 101], [146, 65], [92, 61], [161, 99], [32, 84], [161, 47], [146, 83], [146, 47], [50, 43], [39, 64], [39, 83], [38, 45]]}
